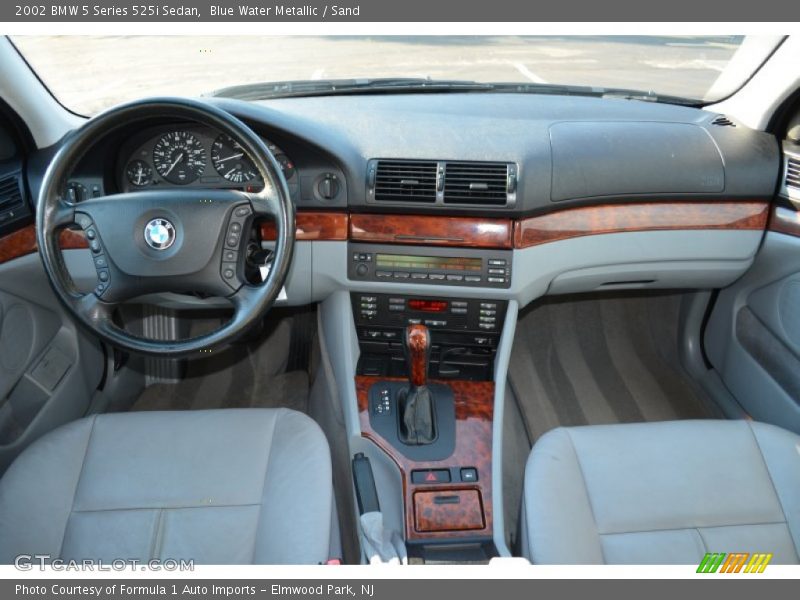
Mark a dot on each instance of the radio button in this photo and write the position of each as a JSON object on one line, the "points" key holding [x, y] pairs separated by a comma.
{"points": [[488, 305], [383, 273], [419, 276], [472, 278], [436, 276], [435, 323], [401, 275], [455, 278], [496, 279], [497, 271], [497, 262], [397, 307], [458, 311], [458, 304]]}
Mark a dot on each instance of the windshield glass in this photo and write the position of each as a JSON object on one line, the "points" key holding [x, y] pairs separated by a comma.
{"points": [[90, 73]]}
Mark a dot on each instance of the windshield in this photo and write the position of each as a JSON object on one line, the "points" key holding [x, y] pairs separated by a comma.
{"points": [[90, 73]]}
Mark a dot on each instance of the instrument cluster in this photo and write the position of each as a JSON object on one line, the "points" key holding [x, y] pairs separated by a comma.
{"points": [[196, 157]]}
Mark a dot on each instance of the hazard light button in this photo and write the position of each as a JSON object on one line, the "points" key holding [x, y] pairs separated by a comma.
{"points": [[430, 476]]}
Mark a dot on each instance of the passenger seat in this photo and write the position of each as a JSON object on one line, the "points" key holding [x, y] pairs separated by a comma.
{"points": [[662, 493]]}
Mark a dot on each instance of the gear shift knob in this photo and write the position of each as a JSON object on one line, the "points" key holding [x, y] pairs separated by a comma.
{"points": [[417, 348]]}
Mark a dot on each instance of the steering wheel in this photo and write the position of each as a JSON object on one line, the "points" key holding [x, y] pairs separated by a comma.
{"points": [[165, 240]]}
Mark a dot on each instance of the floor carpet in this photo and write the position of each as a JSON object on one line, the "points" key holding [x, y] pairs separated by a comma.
{"points": [[593, 359]]}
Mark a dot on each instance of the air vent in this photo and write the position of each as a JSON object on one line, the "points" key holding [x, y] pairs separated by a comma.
{"points": [[478, 183], [10, 194], [723, 121], [793, 172], [404, 181]]}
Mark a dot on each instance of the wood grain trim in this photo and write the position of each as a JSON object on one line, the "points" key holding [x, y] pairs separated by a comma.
{"points": [[432, 230], [648, 216], [474, 404], [434, 511], [785, 220], [23, 241], [313, 227]]}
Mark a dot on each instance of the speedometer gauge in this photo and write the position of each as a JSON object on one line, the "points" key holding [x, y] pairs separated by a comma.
{"points": [[231, 161], [179, 157]]}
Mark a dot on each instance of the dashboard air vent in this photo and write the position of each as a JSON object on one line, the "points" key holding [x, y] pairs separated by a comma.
{"points": [[478, 183], [405, 181], [723, 121], [10, 194], [793, 172]]}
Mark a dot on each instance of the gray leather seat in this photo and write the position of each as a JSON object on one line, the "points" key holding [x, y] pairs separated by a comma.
{"points": [[662, 493], [232, 486]]}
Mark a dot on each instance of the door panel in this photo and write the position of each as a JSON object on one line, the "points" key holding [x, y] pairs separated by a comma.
{"points": [[49, 368], [753, 335]]}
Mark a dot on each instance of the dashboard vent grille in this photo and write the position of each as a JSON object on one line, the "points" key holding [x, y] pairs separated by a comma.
{"points": [[405, 181], [476, 183], [723, 121], [10, 193], [793, 172]]}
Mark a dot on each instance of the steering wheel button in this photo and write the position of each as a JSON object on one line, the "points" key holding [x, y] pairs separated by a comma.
{"points": [[100, 262], [229, 256], [91, 234], [94, 245], [235, 227], [102, 275], [233, 240], [242, 211]]}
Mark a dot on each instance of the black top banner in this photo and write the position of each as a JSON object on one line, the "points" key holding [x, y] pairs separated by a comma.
{"points": [[400, 10]]}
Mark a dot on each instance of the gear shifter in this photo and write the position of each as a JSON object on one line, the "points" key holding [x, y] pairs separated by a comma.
{"points": [[417, 419]]}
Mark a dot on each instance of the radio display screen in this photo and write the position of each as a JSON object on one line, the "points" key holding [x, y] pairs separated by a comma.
{"points": [[445, 263]]}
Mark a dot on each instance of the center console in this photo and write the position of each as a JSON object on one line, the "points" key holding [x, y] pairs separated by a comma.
{"points": [[464, 333], [425, 395]]}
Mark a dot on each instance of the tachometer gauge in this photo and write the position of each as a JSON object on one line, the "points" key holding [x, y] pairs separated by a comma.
{"points": [[139, 173], [179, 157], [231, 161]]}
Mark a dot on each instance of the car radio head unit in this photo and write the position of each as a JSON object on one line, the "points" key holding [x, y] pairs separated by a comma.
{"points": [[427, 265]]}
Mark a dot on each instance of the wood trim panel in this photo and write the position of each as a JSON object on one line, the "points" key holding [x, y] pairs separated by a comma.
{"points": [[474, 404], [23, 241], [648, 216], [785, 220], [450, 510], [313, 226], [427, 230]]}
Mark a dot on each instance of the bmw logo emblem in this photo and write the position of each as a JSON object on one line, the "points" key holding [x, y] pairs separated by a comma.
{"points": [[159, 234]]}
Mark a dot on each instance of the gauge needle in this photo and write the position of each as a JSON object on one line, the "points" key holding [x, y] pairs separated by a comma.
{"points": [[231, 157], [173, 165]]}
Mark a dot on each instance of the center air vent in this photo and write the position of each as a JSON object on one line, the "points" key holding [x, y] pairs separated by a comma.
{"points": [[793, 172], [404, 180], [491, 184], [477, 183]]}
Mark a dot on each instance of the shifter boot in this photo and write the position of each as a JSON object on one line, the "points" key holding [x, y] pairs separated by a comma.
{"points": [[416, 421]]}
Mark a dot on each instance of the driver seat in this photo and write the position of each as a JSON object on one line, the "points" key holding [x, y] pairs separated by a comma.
{"points": [[234, 486]]}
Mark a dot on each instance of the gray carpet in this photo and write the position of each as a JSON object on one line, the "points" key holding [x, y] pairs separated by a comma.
{"points": [[593, 359], [243, 375]]}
